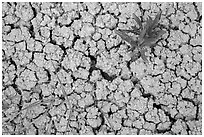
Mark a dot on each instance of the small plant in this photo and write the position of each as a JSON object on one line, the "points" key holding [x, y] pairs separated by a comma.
{"points": [[147, 36]]}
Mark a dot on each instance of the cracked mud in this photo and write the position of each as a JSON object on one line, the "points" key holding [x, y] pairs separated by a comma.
{"points": [[65, 71]]}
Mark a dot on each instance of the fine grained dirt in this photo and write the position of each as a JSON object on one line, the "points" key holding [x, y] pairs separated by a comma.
{"points": [[65, 71]]}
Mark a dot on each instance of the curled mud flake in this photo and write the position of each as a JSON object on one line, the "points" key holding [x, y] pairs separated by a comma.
{"points": [[139, 69], [100, 46], [99, 21], [6, 8], [69, 6], [46, 90], [10, 93], [172, 62], [87, 130], [27, 80], [92, 47], [39, 59], [85, 101], [97, 36], [167, 76], [112, 86], [196, 41], [72, 60], [41, 75], [95, 76], [9, 74], [190, 29], [6, 104], [78, 86], [87, 17], [153, 87], [15, 36], [10, 19], [115, 121], [106, 33], [65, 77], [65, 19], [101, 90], [45, 32], [145, 132], [179, 127], [64, 32], [195, 127], [126, 7], [177, 38], [61, 126], [121, 98], [81, 45], [111, 8], [138, 105], [88, 87], [128, 131], [93, 7], [176, 89], [149, 126], [33, 45], [93, 119], [109, 21], [139, 122], [81, 73], [87, 30], [24, 11], [45, 20], [195, 85], [159, 67], [185, 49], [191, 12], [125, 72], [112, 42], [181, 81], [53, 52], [197, 54], [126, 86], [76, 26], [193, 68]]}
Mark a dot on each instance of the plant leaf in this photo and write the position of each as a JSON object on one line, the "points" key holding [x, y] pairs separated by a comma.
{"points": [[136, 30], [150, 18], [143, 56], [126, 38], [142, 35], [127, 31], [149, 22], [148, 35], [148, 42], [160, 33], [148, 25], [137, 20], [134, 56], [156, 20], [157, 33]]}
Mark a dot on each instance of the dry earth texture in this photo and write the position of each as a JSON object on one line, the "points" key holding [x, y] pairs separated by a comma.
{"points": [[66, 71]]}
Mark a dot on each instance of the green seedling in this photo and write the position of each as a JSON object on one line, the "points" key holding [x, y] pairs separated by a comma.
{"points": [[67, 101], [50, 100], [29, 107], [147, 36]]}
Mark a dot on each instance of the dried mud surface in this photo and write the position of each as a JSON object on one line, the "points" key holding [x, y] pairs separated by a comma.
{"points": [[65, 71]]}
